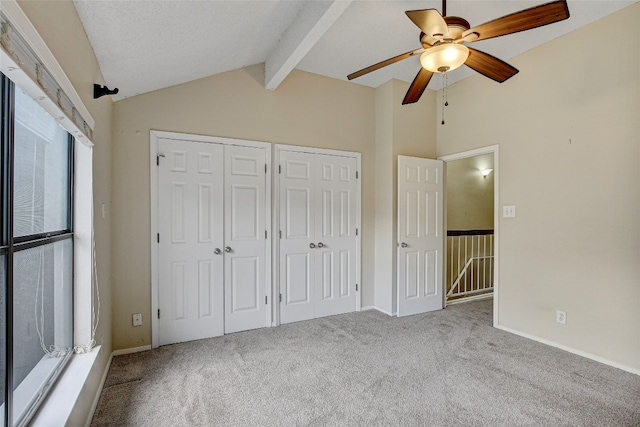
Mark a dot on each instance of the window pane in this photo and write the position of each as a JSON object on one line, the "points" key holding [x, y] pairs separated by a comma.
{"points": [[41, 185], [3, 311], [42, 319]]}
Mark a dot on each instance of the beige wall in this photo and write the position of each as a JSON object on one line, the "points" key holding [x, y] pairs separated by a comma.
{"points": [[306, 110], [568, 130], [58, 24], [469, 194], [406, 130], [384, 199]]}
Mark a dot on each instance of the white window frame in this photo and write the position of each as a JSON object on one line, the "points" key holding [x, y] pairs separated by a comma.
{"points": [[83, 241]]}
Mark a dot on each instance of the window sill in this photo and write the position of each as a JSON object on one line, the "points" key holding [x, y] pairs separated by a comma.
{"points": [[57, 408]]}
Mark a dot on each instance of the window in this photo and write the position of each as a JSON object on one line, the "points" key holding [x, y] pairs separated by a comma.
{"points": [[36, 253]]}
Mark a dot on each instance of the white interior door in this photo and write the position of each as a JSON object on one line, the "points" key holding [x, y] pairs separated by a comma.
{"points": [[420, 235], [190, 224], [297, 234], [335, 234], [245, 238]]}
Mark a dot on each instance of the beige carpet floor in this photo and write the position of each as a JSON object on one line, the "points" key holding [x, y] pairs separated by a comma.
{"points": [[447, 368]]}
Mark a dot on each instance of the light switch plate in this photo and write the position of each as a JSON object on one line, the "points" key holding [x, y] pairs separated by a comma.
{"points": [[137, 319], [509, 211]]}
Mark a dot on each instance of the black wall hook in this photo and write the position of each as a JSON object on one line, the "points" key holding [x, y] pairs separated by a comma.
{"points": [[99, 90]]}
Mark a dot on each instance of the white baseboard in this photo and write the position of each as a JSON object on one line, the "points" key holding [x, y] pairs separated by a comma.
{"points": [[572, 350], [373, 307], [130, 350], [96, 399]]}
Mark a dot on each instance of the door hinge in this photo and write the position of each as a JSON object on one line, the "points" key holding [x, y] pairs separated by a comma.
{"points": [[280, 234], [356, 231], [158, 313], [356, 174], [265, 300], [280, 296], [265, 234], [158, 237], [279, 169], [265, 168], [356, 287]]}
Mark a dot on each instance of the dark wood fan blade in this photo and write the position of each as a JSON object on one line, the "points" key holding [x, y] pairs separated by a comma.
{"points": [[384, 63], [521, 21], [418, 86], [490, 66], [429, 21]]}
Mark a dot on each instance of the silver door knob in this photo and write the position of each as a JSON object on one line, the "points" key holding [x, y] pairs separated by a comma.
{"points": [[321, 245], [227, 249], [311, 245], [217, 251], [403, 244]]}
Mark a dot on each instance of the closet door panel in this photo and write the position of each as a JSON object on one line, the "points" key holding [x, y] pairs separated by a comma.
{"points": [[245, 241], [336, 192], [297, 229], [190, 227]]}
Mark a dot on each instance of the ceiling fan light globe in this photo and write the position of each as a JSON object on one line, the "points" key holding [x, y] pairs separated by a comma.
{"points": [[446, 56]]}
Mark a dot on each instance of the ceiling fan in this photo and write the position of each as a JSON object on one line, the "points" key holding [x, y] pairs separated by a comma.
{"points": [[443, 41]]}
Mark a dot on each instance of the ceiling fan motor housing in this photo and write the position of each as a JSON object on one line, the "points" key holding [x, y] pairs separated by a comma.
{"points": [[456, 26]]}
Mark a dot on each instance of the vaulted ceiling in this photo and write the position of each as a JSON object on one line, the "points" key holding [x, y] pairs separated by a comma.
{"points": [[147, 45]]}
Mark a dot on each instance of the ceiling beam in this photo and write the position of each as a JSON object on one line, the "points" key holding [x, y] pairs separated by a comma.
{"points": [[313, 20]]}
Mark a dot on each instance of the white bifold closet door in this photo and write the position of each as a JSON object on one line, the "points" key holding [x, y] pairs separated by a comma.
{"points": [[317, 214], [244, 238], [211, 239]]}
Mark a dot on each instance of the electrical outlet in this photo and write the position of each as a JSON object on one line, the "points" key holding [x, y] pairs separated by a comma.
{"points": [[509, 211], [561, 317], [137, 319]]}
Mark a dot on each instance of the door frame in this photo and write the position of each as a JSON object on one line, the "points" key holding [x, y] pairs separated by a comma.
{"points": [[491, 149], [154, 137], [276, 218]]}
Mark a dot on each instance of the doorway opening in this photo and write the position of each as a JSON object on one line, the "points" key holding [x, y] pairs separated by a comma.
{"points": [[471, 254]]}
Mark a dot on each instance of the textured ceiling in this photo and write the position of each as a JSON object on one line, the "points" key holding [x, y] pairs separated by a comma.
{"points": [[146, 45]]}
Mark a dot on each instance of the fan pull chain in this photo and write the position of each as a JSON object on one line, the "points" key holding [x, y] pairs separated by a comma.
{"points": [[445, 95]]}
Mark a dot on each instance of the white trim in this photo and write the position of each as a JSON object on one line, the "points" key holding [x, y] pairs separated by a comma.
{"points": [[276, 215], [58, 406], [359, 235], [471, 153], [21, 23], [131, 350], [96, 398], [571, 350], [153, 178], [275, 246], [314, 150], [84, 305], [267, 247], [373, 307], [180, 136], [154, 137], [495, 150]]}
